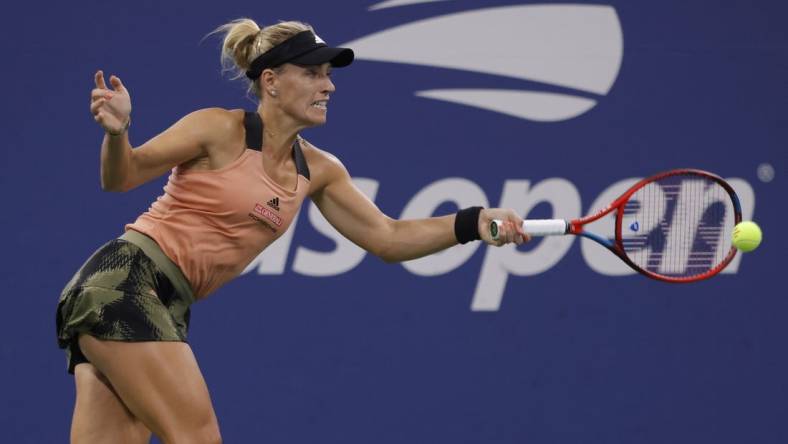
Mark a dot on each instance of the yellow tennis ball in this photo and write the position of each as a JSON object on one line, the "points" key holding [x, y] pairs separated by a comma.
{"points": [[747, 236]]}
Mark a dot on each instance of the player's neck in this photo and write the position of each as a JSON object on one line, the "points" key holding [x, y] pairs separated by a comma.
{"points": [[279, 131]]}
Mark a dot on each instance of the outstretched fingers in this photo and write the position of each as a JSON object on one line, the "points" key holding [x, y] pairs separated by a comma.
{"points": [[117, 85], [100, 91], [99, 78], [110, 107]]}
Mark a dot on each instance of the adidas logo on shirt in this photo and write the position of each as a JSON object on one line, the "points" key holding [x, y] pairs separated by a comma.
{"points": [[274, 203]]}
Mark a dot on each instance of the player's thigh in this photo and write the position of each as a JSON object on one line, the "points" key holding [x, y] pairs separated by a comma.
{"points": [[161, 384], [99, 414]]}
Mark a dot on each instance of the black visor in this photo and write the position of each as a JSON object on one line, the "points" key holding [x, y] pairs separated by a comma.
{"points": [[304, 48]]}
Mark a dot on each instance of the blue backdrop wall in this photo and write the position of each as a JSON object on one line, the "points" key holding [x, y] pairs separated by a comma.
{"points": [[549, 108]]}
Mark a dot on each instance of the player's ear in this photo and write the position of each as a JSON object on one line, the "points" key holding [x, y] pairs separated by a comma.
{"points": [[268, 81]]}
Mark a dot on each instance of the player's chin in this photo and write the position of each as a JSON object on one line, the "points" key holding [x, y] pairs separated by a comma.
{"points": [[317, 116]]}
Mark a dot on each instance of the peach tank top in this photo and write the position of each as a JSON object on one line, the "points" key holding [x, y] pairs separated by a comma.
{"points": [[213, 223]]}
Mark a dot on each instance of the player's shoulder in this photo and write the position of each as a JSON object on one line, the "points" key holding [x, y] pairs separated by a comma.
{"points": [[317, 156], [324, 166], [215, 125], [216, 118]]}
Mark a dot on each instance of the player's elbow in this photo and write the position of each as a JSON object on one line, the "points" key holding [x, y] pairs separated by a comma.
{"points": [[114, 186], [385, 245], [393, 253], [110, 187], [385, 251], [389, 258], [382, 252]]}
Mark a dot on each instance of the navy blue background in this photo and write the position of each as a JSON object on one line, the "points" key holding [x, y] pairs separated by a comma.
{"points": [[379, 354]]}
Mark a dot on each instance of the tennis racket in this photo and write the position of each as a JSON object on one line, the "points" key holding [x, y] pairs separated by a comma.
{"points": [[675, 226]]}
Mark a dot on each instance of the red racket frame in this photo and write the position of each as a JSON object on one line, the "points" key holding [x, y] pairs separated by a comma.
{"points": [[576, 226]]}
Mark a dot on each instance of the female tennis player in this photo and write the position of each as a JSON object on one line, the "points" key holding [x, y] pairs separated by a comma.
{"points": [[236, 184]]}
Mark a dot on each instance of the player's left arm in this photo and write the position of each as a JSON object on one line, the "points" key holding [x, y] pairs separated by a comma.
{"points": [[358, 218]]}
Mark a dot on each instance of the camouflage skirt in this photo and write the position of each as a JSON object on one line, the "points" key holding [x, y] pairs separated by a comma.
{"points": [[128, 290]]}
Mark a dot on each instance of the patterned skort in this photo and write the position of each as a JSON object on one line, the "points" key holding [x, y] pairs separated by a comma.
{"points": [[121, 294]]}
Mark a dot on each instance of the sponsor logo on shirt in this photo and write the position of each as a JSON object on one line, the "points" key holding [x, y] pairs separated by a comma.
{"points": [[268, 214]]}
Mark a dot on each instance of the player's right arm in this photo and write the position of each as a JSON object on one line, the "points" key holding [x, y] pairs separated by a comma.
{"points": [[124, 168]]}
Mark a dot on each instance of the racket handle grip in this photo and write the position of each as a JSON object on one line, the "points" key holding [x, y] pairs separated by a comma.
{"points": [[536, 227]]}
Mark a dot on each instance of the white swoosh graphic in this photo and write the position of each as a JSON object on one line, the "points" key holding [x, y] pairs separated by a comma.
{"points": [[573, 46], [394, 3], [531, 105]]}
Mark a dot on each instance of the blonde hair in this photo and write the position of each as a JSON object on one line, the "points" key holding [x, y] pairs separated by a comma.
{"points": [[244, 41]]}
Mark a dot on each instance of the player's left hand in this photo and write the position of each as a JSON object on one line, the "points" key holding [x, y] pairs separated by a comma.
{"points": [[510, 231]]}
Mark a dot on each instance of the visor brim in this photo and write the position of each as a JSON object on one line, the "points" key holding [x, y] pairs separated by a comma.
{"points": [[337, 57]]}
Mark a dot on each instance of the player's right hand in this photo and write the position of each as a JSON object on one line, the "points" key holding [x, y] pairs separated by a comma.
{"points": [[510, 229], [111, 108]]}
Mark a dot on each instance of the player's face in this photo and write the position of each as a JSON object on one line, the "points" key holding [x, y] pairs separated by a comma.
{"points": [[304, 92]]}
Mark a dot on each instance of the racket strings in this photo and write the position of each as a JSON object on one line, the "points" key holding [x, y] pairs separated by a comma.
{"points": [[678, 226]]}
